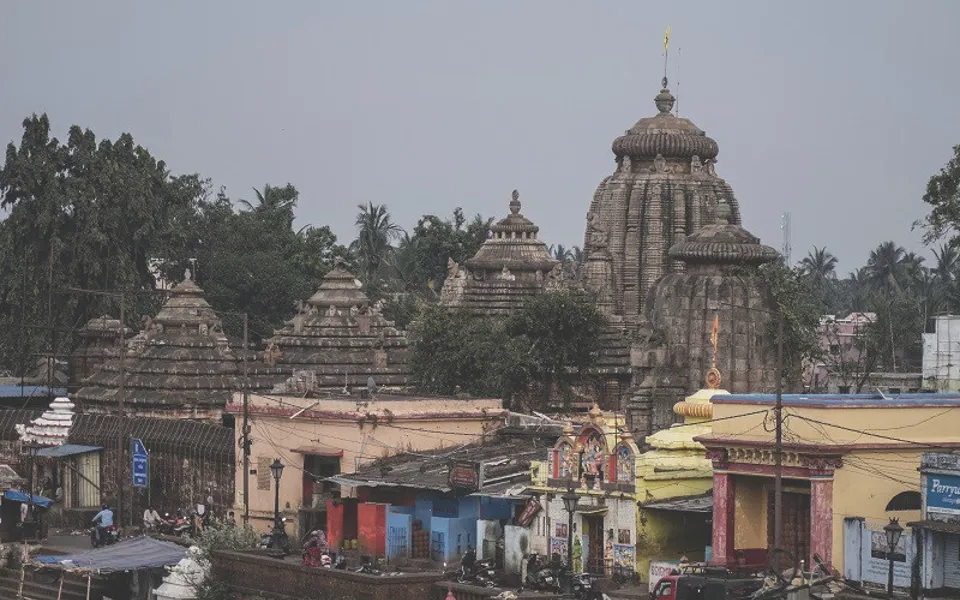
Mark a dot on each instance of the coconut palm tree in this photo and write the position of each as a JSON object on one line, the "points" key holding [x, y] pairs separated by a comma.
{"points": [[819, 265], [274, 202], [948, 262], [887, 269], [375, 232]]}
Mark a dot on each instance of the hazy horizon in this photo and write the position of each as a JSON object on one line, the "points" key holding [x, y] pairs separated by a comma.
{"points": [[835, 112]]}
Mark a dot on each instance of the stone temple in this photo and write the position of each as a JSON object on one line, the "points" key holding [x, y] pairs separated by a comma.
{"points": [[179, 366], [512, 265], [664, 188], [337, 341]]}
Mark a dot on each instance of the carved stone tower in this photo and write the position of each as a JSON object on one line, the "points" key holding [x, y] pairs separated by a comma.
{"points": [[664, 188]]}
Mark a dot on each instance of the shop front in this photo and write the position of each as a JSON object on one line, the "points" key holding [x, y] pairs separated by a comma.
{"points": [[938, 534]]}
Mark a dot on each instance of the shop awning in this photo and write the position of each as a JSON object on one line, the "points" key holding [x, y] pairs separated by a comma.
{"points": [[318, 451], [67, 450], [695, 504], [128, 555], [938, 526], [18, 496]]}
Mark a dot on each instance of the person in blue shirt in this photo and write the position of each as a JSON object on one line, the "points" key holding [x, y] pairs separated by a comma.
{"points": [[102, 520]]}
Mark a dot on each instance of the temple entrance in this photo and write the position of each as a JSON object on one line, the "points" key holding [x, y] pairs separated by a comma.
{"points": [[593, 529], [796, 523]]}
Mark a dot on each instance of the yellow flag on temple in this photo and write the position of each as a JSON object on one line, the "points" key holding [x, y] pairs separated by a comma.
{"points": [[666, 39]]}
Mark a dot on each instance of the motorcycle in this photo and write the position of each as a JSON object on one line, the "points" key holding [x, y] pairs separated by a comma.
{"points": [[266, 539], [108, 536], [540, 576], [582, 585]]}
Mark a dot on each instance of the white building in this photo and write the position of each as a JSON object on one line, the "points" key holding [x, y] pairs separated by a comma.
{"points": [[941, 354]]}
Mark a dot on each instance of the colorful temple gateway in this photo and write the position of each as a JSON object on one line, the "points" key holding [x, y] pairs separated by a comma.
{"points": [[632, 507]]}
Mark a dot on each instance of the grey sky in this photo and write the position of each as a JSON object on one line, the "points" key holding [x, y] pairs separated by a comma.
{"points": [[835, 111]]}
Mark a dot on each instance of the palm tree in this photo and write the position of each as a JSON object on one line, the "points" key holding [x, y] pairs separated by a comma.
{"points": [[561, 253], [948, 262], [819, 265], [857, 290], [274, 202], [375, 233], [887, 269], [577, 258]]}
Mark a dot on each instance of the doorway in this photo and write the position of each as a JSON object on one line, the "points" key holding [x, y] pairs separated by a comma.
{"points": [[795, 537], [596, 555]]}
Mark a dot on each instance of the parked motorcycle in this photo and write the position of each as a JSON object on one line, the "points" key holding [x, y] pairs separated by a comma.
{"points": [[108, 536], [540, 576]]}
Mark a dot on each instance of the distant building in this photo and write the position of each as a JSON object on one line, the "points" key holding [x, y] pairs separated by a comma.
{"points": [[941, 354]]}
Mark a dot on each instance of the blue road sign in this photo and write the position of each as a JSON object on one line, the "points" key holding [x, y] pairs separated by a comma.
{"points": [[138, 457]]}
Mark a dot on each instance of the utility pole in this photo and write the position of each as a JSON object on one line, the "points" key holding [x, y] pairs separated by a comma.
{"points": [[778, 451], [246, 425], [121, 456]]}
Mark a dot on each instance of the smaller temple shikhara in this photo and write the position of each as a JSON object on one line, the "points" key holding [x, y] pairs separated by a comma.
{"points": [[633, 507]]}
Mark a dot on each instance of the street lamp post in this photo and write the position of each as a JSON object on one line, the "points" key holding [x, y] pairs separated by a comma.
{"points": [[893, 530], [31, 449], [276, 549], [570, 504]]}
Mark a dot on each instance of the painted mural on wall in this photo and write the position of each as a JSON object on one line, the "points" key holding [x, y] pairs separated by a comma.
{"points": [[558, 546], [624, 558], [875, 562]]}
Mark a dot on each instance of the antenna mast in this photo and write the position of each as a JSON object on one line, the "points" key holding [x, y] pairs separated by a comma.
{"points": [[787, 247]]}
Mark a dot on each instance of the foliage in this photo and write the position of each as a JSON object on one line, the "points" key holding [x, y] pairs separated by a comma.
{"points": [[214, 589], [943, 195], [461, 352], [801, 307], [561, 334], [82, 214], [375, 232], [226, 535]]}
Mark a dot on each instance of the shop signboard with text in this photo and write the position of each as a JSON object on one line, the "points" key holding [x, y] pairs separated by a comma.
{"points": [[943, 494]]}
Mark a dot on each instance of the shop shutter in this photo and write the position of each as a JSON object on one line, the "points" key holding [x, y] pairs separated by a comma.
{"points": [[951, 561]]}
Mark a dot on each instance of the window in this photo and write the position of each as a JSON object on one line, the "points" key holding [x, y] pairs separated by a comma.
{"points": [[905, 501], [843, 389]]}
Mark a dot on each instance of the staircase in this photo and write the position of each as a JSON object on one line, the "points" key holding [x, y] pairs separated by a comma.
{"points": [[46, 586]]}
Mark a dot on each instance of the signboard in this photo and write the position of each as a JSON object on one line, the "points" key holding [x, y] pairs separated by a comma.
{"points": [[875, 558], [659, 569], [464, 475], [138, 458], [529, 512], [943, 494]]}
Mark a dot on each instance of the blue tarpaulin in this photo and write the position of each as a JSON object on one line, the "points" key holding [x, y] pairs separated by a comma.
{"points": [[128, 555], [18, 496], [64, 450]]}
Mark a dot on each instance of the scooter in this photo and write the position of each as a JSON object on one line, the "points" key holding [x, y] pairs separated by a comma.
{"points": [[108, 536]]}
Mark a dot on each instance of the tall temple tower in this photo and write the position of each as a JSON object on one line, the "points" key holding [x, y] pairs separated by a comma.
{"points": [[664, 188]]}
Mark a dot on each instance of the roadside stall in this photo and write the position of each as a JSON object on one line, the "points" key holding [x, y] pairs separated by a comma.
{"points": [[130, 570]]}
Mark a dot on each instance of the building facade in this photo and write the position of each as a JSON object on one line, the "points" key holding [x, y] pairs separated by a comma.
{"points": [[938, 532], [846, 462], [317, 439], [941, 354]]}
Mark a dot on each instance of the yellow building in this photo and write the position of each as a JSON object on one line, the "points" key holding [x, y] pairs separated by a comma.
{"points": [[315, 439], [849, 465], [633, 507]]}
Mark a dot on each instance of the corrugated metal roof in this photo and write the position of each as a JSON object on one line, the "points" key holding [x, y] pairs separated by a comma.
{"points": [[67, 450]]}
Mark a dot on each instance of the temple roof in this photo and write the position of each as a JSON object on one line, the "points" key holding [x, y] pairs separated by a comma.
{"points": [[103, 326], [513, 244], [339, 340], [723, 244], [180, 360], [665, 134]]}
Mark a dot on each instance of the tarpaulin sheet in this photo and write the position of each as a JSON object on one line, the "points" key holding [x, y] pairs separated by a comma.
{"points": [[18, 496], [128, 555]]}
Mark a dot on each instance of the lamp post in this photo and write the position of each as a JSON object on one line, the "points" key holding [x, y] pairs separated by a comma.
{"points": [[31, 450], [893, 530], [276, 468], [570, 503]]}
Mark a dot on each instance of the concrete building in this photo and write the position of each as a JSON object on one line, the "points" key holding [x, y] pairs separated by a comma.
{"points": [[938, 532], [846, 462], [316, 439], [634, 508], [941, 354]]}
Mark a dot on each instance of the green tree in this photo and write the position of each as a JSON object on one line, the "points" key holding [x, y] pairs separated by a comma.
{"points": [[943, 196], [560, 333], [375, 233], [82, 214], [801, 308]]}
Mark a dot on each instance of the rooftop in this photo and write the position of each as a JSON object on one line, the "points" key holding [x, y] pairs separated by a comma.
{"points": [[504, 461]]}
